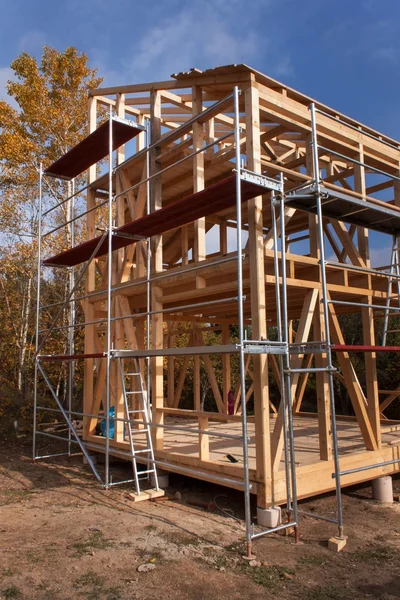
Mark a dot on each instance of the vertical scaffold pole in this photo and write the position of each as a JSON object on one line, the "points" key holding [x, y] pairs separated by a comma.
{"points": [[322, 261], [148, 283], [394, 270], [281, 338], [39, 270], [288, 382], [71, 333], [109, 301], [241, 321]]}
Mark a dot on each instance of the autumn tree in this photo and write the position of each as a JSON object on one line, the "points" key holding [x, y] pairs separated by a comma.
{"points": [[49, 118]]}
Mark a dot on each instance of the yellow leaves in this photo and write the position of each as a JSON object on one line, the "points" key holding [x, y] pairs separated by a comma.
{"points": [[52, 97], [52, 115], [51, 118]]}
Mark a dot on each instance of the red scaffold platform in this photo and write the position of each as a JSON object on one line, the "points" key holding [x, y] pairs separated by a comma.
{"points": [[213, 199]]}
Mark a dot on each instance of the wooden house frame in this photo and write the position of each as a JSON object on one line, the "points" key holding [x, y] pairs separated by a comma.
{"points": [[182, 283]]}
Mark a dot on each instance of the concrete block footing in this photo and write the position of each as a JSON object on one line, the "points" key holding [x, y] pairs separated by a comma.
{"points": [[163, 479], [269, 517], [382, 489], [93, 458]]}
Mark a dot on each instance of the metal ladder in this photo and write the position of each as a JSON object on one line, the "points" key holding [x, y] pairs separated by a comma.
{"points": [[393, 289], [138, 416]]}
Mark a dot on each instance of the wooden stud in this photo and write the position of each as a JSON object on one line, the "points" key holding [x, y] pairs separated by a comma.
{"points": [[303, 330], [156, 364], [88, 309], [204, 444]]}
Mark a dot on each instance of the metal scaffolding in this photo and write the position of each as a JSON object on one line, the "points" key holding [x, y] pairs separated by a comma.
{"points": [[311, 197], [314, 197]]}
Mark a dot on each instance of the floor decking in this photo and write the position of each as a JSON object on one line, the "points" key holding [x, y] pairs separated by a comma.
{"points": [[305, 432]]}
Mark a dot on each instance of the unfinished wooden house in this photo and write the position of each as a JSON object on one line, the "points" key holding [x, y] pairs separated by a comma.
{"points": [[236, 206]]}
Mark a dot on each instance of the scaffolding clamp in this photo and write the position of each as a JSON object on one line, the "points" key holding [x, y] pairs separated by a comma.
{"points": [[308, 348], [261, 180], [264, 347]]}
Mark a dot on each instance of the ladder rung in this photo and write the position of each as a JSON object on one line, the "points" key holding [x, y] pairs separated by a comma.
{"points": [[139, 410], [142, 451], [136, 431], [130, 374], [145, 472], [130, 393]]}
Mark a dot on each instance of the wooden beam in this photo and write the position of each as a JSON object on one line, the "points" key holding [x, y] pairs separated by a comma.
{"points": [[258, 308], [204, 439], [368, 323], [302, 334], [319, 330], [226, 367], [90, 284], [303, 384], [156, 363], [353, 385], [210, 372], [199, 248]]}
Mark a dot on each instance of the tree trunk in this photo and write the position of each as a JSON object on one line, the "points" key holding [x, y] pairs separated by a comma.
{"points": [[26, 313]]}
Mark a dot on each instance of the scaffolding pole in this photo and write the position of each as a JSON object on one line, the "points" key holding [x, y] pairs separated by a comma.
{"points": [[286, 381], [247, 506], [329, 365]]}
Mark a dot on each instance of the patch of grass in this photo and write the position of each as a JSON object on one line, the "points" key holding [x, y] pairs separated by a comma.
{"points": [[150, 528], [114, 594], [150, 555], [269, 577], [126, 544], [179, 538], [32, 557], [96, 541], [94, 587], [208, 551], [235, 548], [7, 572], [43, 586], [11, 496], [12, 592], [329, 592], [375, 554], [89, 579], [47, 592], [312, 560], [92, 583], [221, 561]]}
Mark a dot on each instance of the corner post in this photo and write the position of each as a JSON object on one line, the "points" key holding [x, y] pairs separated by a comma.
{"points": [[157, 375], [258, 306], [88, 309]]}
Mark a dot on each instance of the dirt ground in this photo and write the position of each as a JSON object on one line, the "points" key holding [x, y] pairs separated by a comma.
{"points": [[63, 537]]}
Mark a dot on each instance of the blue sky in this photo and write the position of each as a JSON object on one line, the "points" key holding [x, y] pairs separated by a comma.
{"points": [[345, 53]]}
